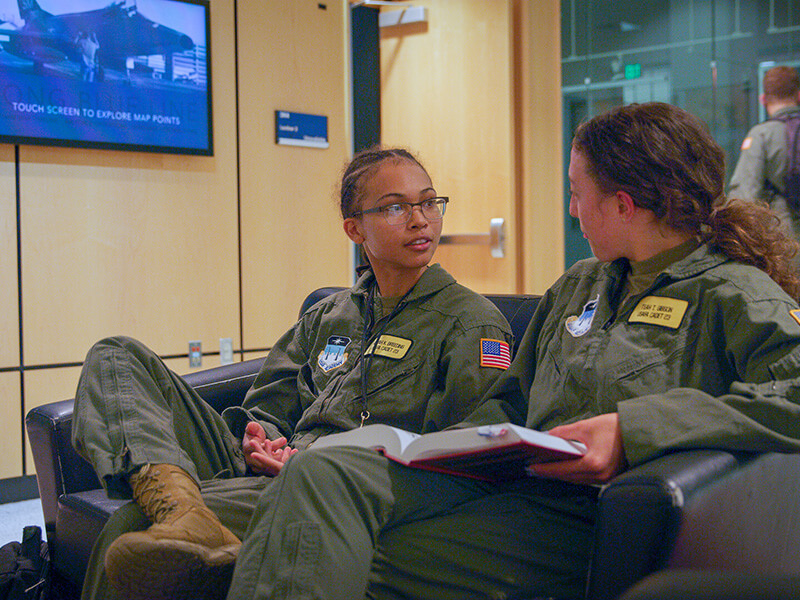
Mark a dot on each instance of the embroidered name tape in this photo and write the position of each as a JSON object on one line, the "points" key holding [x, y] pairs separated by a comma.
{"points": [[390, 346], [657, 310]]}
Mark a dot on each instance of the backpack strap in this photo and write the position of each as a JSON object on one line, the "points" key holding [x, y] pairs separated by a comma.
{"points": [[791, 121]]}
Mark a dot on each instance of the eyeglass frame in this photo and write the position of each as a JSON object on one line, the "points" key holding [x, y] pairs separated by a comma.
{"points": [[412, 205]]}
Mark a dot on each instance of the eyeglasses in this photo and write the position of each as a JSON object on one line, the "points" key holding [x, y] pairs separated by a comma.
{"points": [[400, 212]]}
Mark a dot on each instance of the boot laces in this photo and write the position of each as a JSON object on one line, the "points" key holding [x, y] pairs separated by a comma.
{"points": [[156, 503]]}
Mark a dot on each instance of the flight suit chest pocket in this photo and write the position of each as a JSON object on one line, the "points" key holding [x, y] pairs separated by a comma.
{"points": [[551, 371], [385, 372], [644, 359]]}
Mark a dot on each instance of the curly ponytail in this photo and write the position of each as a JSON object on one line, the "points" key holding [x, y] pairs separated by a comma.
{"points": [[750, 232]]}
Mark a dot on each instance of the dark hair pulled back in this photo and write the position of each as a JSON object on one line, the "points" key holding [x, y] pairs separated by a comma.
{"points": [[667, 161], [361, 167]]}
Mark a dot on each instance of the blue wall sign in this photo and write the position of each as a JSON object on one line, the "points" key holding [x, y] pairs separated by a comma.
{"points": [[298, 129]]}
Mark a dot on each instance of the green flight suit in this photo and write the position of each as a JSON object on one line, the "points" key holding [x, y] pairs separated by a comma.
{"points": [[707, 357], [761, 169], [130, 409]]}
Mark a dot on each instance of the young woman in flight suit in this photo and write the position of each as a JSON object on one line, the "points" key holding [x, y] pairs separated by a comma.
{"points": [[683, 332], [402, 347]]}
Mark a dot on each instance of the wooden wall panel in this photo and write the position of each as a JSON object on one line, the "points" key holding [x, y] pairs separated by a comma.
{"points": [[133, 243], [9, 314], [446, 92], [149, 253], [540, 171], [10, 426], [292, 56], [476, 91]]}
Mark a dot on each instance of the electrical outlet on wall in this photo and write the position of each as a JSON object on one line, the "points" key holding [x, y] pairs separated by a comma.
{"points": [[195, 354], [225, 351]]}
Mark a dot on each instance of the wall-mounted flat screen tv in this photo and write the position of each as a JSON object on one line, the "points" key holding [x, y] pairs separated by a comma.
{"points": [[121, 74]]}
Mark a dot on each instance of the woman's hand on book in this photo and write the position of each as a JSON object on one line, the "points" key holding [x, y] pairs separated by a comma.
{"points": [[604, 458], [263, 456]]}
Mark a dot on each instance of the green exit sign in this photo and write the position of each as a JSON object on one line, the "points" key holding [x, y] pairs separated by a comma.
{"points": [[633, 71]]}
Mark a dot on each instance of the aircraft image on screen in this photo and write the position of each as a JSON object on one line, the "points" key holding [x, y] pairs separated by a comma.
{"points": [[118, 32]]}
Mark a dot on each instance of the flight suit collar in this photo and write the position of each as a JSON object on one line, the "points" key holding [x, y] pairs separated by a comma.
{"points": [[702, 259], [699, 261], [434, 279], [784, 111]]}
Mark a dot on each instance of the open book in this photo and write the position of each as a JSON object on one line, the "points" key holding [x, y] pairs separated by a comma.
{"points": [[491, 452]]}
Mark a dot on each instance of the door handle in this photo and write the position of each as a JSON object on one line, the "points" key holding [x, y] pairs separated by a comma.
{"points": [[495, 239]]}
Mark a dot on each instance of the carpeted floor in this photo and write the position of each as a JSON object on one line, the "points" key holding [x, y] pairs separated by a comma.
{"points": [[15, 515]]}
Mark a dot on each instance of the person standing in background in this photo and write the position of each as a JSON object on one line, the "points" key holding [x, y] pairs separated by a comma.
{"points": [[764, 158]]}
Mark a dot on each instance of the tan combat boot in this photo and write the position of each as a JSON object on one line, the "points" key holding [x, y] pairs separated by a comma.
{"points": [[186, 554]]}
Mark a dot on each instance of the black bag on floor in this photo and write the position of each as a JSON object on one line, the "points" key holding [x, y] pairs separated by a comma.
{"points": [[24, 567]]}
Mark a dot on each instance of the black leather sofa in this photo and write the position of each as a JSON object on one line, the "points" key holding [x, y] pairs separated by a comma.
{"points": [[700, 509]]}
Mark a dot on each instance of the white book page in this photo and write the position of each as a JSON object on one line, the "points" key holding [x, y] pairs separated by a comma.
{"points": [[549, 441], [404, 438], [391, 439], [448, 442]]}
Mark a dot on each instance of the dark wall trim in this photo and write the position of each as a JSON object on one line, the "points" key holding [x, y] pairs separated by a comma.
{"points": [[365, 43], [66, 365], [23, 433]]}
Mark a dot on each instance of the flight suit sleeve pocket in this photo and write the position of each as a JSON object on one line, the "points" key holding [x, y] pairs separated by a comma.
{"points": [[787, 367]]}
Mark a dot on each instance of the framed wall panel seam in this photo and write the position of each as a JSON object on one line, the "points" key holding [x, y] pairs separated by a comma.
{"points": [[66, 365], [21, 367], [241, 350]]}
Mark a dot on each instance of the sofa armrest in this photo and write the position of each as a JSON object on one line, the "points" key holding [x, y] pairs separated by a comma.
{"points": [[697, 509], [60, 470], [680, 584]]}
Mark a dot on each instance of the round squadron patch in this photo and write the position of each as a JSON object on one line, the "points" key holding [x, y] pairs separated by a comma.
{"points": [[579, 325], [334, 355]]}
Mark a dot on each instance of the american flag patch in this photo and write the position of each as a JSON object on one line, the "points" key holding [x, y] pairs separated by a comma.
{"points": [[495, 353]]}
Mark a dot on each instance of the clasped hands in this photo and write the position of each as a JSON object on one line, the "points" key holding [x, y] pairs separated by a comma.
{"points": [[264, 456]]}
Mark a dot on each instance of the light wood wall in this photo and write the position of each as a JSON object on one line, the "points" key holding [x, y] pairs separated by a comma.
{"points": [[476, 92], [10, 387], [9, 321], [149, 245], [292, 237], [10, 430], [538, 143]]}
